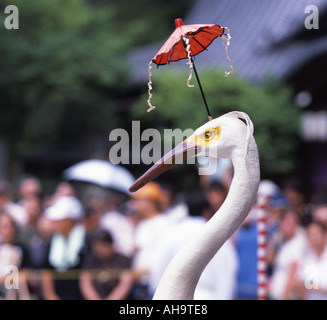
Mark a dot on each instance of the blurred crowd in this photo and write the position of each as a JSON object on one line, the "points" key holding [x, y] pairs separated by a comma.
{"points": [[116, 246]]}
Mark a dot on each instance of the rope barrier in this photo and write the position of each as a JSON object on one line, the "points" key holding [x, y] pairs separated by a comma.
{"points": [[100, 274]]}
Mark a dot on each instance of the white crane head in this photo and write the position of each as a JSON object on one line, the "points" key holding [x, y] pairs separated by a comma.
{"points": [[217, 138]]}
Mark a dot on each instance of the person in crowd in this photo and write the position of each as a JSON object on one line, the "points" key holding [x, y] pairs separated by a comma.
{"points": [[246, 239], [218, 280], [177, 234], [310, 279], [275, 211], [220, 170], [7, 205], [271, 200], [224, 266], [29, 187], [172, 208], [274, 214], [91, 223], [106, 273], [289, 245], [33, 206], [319, 208], [13, 258], [91, 220], [117, 223], [295, 193], [245, 242], [152, 226], [63, 189], [66, 249], [215, 193], [36, 241]]}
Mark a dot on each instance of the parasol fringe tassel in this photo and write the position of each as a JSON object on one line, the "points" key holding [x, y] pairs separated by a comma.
{"points": [[226, 43], [190, 63], [151, 107]]}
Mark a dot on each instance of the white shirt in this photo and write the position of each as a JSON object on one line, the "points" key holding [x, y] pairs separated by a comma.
{"points": [[177, 212], [10, 255], [313, 272], [148, 233], [291, 251], [17, 212], [121, 229], [218, 279]]}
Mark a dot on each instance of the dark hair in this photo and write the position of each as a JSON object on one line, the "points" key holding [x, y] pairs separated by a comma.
{"points": [[320, 199], [215, 186], [294, 184], [101, 235], [196, 202], [320, 224], [290, 210], [89, 211]]}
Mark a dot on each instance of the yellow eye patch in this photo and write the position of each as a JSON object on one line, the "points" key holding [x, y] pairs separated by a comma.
{"points": [[207, 137]]}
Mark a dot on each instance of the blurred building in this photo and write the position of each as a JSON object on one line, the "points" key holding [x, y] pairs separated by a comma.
{"points": [[271, 38]]}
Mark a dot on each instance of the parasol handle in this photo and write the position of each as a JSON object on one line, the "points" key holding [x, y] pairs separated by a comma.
{"points": [[202, 93]]}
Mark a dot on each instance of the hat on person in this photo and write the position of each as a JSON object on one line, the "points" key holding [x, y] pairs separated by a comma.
{"points": [[267, 188], [279, 203], [151, 191], [66, 207]]}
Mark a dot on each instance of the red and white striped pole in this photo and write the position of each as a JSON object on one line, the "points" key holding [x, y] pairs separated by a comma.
{"points": [[261, 249]]}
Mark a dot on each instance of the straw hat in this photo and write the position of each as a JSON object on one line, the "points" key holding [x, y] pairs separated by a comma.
{"points": [[151, 191]]}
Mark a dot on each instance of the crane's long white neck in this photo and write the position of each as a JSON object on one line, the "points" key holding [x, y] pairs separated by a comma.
{"points": [[182, 274]]}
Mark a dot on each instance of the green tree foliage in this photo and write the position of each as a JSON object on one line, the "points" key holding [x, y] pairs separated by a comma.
{"points": [[63, 72], [148, 21], [275, 117], [57, 70]]}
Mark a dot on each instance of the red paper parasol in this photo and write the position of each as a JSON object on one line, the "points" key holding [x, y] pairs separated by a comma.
{"points": [[184, 43]]}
